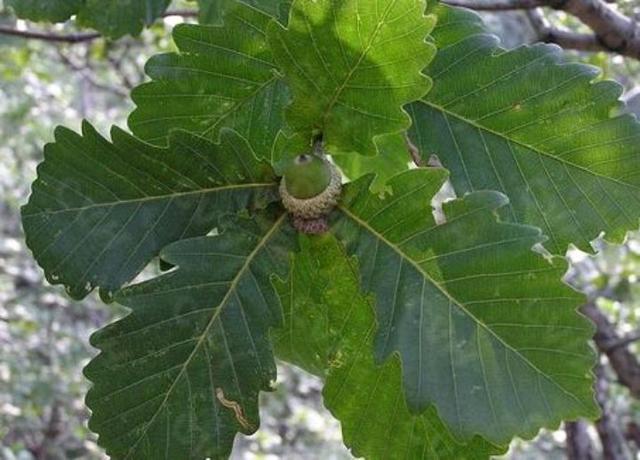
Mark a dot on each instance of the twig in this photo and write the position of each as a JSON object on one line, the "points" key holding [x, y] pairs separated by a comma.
{"points": [[414, 152], [183, 13], [568, 40], [578, 443], [614, 446], [623, 362], [624, 341], [612, 31], [49, 36], [496, 5], [87, 76], [615, 31], [76, 37]]}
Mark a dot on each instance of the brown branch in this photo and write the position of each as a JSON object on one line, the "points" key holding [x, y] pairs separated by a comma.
{"points": [[614, 446], [568, 40], [414, 152], [624, 341], [615, 31], [579, 446], [75, 37], [623, 362], [496, 5], [183, 13], [87, 75], [49, 36], [612, 31]]}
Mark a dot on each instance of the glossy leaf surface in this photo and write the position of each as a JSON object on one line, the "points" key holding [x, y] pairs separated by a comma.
{"points": [[351, 66]]}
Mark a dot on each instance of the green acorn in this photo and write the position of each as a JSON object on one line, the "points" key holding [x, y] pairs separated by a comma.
{"points": [[310, 186]]}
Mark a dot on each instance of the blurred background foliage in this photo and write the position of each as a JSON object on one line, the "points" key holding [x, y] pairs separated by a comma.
{"points": [[44, 335]]}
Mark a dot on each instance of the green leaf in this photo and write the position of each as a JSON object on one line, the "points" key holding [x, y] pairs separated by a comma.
{"points": [[223, 76], [112, 18], [213, 11], [45, 10], [392, 158], [327, 330], [180, 375], [116, 18], [485, 329], [351, 66], [100, 210], [529, 124]]}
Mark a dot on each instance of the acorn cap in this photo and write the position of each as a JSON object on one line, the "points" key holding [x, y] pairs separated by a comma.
{"points": [[317, 176]]}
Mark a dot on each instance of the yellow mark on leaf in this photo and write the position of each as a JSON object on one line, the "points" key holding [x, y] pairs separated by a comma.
{"points": [[235, 407]]}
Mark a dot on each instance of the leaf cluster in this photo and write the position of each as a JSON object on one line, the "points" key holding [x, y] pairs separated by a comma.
{"points": [[438, 335]]}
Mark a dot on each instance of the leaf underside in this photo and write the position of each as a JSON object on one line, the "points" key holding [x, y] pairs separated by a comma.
{"points": [[181, 374], [333, 339], [100, 211], [528, 124], [351, 66], [223, 76], [482, 323]]}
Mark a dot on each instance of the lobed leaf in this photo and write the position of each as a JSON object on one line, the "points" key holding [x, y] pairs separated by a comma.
{"points": [[528, 124], [352, 66], [181, 374], [482, 324], [392, 158], [222, 77], [213, 11], [100, 211], [328, 330]]}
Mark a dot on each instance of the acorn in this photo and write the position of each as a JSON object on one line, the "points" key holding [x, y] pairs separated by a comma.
{"points": [[310, 189]]}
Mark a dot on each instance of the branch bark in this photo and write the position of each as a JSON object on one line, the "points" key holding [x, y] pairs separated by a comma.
{"points": [[49, 36], [568, 40], [579, 445], [615, 31], [77, 37], [496, 5], [612, 31], [614, 445], [623, 362]]}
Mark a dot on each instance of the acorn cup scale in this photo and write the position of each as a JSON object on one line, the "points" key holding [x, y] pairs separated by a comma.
{"points": [[310, 189]]}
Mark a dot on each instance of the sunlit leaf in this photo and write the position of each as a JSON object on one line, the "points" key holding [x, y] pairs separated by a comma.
{"points": [[351, 66], [529, 124], [213, 11], [392, 158]]}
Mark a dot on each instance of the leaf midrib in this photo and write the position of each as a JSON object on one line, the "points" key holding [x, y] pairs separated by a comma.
{"points": [[232, 286], [525, 145], [452, 299], [364, 53], [152, 198]]}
